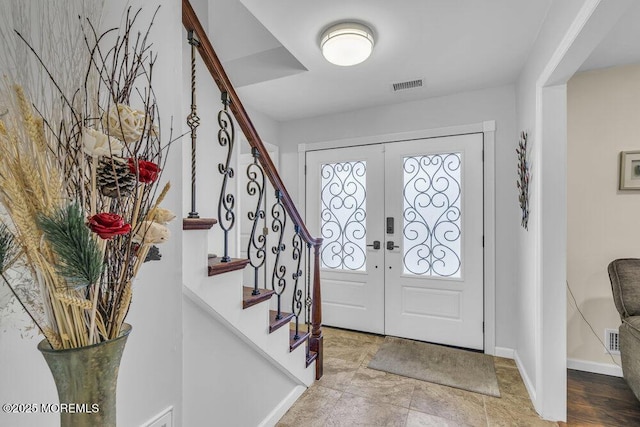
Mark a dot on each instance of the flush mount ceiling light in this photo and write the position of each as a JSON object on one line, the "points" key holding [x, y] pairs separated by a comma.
{"points": [[347, 43]]}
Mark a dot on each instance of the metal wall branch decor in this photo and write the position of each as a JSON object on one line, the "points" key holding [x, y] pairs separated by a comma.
{"points": [[524, 176]]}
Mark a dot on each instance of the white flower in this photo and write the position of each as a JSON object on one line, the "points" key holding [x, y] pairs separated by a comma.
{"points": [[150, 233], [125, 123], [96, 143], [162, 215]]}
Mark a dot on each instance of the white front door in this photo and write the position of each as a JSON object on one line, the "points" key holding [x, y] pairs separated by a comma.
{"points": [[345, 194], [423, 201], [434, 273]]}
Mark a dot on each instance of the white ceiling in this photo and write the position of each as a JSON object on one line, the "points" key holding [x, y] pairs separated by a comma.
{"points": [[454, 45], [621, 46], [270, 49]]}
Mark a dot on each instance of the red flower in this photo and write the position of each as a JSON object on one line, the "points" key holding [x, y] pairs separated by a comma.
{"points": [[147, 171], [108, 225]]}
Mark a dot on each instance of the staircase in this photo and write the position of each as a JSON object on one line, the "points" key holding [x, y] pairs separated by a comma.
{"points": [[220, 294], [267, 303]]}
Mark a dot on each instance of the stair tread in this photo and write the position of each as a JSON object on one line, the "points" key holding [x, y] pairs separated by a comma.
{"points": [[275, 324], [216, 266], [293, 343], [198, 223], [249, 300], [311, 357]]}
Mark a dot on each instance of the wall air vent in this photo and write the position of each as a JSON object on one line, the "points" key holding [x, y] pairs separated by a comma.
{"points": [[612, 341], [411, 84]]}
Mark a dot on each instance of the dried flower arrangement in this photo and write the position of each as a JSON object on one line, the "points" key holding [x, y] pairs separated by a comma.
{"points": [[523, 179], [79, 195]]}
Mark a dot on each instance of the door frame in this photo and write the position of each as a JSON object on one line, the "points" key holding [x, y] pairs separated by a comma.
{"points": [[488, 129]]}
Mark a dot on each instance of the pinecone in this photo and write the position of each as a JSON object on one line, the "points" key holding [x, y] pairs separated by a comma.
{"points": [[153, 254], [109, 182]]}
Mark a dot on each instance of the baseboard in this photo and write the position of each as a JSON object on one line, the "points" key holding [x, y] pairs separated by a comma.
{"points": [[163, 419], [525, 377], [507, 353], [282, 407], [595, 367]]}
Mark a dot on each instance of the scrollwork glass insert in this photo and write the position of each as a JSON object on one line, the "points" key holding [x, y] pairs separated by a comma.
{"points": [[432, 226], [343, 214]]}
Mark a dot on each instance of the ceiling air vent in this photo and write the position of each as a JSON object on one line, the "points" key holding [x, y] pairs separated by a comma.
{"points": [[411, 84]]}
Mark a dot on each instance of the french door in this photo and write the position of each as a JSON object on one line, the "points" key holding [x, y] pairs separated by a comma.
{"points": [[402, 224]]}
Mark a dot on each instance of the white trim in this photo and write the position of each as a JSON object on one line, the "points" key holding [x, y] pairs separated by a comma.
{"points": [[505, 352], [396, 137], [525, 377], [549, 271], [489, 126], [488, 129], [282, 407], [302, 182], [581, 19], [489, 202], [159, 416], [595, 367]]}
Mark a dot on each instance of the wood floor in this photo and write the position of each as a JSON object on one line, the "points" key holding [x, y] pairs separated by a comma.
{"points": [[594, 399]]}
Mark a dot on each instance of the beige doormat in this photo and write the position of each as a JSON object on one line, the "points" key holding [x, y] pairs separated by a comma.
{"points": [[462, 369]]}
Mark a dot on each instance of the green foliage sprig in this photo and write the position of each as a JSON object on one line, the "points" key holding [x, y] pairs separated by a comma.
{"points": [[73, 243]]}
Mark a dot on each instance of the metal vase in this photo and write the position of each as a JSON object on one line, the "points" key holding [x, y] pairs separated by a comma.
{"points": [[86, 380]]}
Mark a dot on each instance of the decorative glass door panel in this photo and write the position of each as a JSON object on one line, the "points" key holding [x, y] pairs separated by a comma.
{"points": [[343, 215], [345, 196], [432, 223]]}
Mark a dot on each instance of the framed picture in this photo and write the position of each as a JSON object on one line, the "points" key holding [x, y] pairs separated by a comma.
{"points": [[630, 170]]}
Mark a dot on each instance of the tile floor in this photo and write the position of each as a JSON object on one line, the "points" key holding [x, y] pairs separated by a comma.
{"points": [[350, 394]]}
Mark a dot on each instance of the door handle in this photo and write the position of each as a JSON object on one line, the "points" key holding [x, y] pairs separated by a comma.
{"points": [[391, 246], [376, 245]]}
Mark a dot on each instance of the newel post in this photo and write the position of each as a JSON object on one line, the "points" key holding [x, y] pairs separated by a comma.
{"points": [[316, 340]]}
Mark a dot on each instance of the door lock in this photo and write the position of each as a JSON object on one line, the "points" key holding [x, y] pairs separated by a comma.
{"points": [[376, 245], [391, 246]]}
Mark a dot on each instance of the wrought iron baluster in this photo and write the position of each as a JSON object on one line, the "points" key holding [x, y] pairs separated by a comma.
{"points": [[256, 250], [226, 203], [278, 281], [193, 121], [308, 300], [296, 301], [265, 232]]}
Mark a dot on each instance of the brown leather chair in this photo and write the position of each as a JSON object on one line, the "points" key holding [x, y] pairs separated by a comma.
{"points": [[625, 284]]}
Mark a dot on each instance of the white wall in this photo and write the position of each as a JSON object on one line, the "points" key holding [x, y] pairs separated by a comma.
{"points": [[227, 383], [268, 128], [603, 111], [570, 33], [459, 109], [209, 153], [559, 17], [150, 377]]}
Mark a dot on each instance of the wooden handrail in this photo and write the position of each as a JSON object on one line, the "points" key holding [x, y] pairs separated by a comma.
{"points": [[192, 23]]}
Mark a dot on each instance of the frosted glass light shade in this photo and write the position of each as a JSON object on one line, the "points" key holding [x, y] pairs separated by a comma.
{"points": [[347, 43]]}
